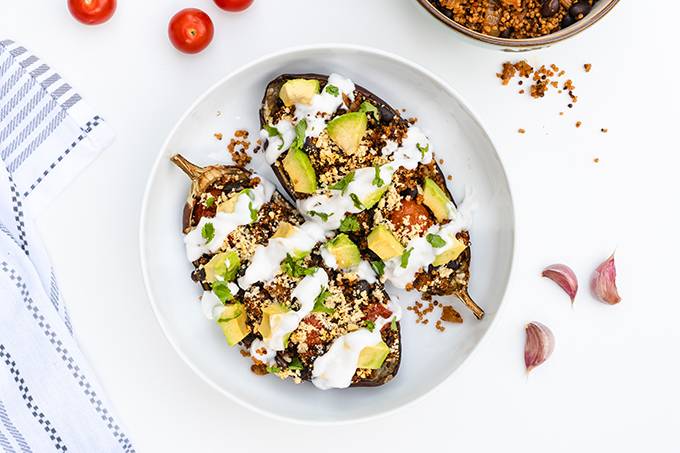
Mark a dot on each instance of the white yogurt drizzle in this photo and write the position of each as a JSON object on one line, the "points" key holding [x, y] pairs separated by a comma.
{"points": [[317, 114], [264, 265], [422, 252], [305, 292], [226, 222], [337, 366]]}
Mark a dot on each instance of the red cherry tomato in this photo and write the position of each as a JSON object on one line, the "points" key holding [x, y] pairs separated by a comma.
{"points": [[190, 30], [92, 12], [233, 5]]}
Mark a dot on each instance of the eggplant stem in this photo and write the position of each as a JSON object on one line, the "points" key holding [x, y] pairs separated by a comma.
{"points": [[467, 300], [193, 171]]}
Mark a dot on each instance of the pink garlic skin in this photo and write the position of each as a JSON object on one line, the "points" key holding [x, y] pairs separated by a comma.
{"points": [[564, 277], [603, 283], [540, 344]]}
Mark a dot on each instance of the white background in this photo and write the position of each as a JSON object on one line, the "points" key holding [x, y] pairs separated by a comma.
{"points": [[612, 383]]}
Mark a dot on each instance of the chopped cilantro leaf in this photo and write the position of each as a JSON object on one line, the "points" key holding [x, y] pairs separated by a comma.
{"points": [[377, 180], [423, 150], [222, 291], [295, 364], [393, 324], [209, 201], [300, 129], [208, 232], [379, 267], [405, 256], [370, 325], [435, 240], [349, 224], [294, 268], [273, 369], [343, 183], [320, 299], [367, 107], [274, 132], [322, 215], [253, 212], [356, 201], [332, 89]]}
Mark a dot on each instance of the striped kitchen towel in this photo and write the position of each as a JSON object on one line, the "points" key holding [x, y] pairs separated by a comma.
{"points": [[49, 397]]}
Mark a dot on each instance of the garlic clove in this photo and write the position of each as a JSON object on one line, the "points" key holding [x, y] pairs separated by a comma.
{"points": [[540, 343], [603, 283], [564, 277]]}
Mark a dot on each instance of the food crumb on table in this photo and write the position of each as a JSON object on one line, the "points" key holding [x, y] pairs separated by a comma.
{"points": [[450, 314], [578, 124], [218, 135], [604, 130], [238, 148], [596, 160], [587, 67], [521, 130]]}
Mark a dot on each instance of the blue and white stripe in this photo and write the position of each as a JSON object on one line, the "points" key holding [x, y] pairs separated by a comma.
{"points": [[49, 400]]}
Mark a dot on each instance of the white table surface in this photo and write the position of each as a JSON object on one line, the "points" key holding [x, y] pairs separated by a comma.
{"points": [[612, 383]]}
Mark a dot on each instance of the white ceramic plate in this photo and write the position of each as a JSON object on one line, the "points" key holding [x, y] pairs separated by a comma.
{"points": [[428, 356]]}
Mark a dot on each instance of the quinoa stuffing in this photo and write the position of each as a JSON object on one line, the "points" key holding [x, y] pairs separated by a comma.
{"points": [[514, 19]]}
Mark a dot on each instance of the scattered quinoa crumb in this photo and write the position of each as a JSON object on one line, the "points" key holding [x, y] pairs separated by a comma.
{"points": [[218, 135], [449, 177], [596, 160], [450, 314], [604, 130], [238, 148], [578, 124], [521, 130], [587, 67]]}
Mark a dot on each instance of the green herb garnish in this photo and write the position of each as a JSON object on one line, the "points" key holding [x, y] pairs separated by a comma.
{"points": [[332, 89], [273, 369], [367, 107], [343, 183], [379, 267], [320, 299], [208, 232], [422, 150], [294, 268], [370, 325], [356, 201], [435, 240], [377, 180], [209, 201], [274, 132], [295, 364], [349, 224], [222, 291], [253, 212], [393, 324], [405, 256], [300, 129], [322, 215]]}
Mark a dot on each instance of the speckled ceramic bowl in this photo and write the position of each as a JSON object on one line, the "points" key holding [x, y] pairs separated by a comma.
{"points": [[600, 9]]}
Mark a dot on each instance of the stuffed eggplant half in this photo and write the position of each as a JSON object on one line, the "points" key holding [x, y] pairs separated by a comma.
{"points": [[356, 167], [302, 301]]}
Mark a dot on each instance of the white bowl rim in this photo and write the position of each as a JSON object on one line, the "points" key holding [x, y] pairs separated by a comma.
{"points": [[161, 155]]}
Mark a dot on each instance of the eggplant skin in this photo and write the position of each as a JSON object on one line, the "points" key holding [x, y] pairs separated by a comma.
{"points": [[233, 179]]}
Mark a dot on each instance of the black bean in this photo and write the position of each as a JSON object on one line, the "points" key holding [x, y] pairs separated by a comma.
{"points": [[579, 10], [507, 33], [550, 7], [567, 20]]}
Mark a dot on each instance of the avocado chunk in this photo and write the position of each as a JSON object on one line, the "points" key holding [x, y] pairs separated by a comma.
{"points": [[347, 130], [284, 230], [345, 251], [437, 200], [265, 327], [383, 243], [300, 171], [222, 266], [374, 197], [372, 357], [450, 253], [233, 323], [299, 91]]}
